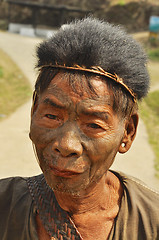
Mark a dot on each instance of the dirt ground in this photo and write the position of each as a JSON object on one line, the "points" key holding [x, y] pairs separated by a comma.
{"points": [[16, 155]]}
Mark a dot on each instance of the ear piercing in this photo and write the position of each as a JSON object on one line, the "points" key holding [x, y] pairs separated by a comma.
{"points": [[123, 144]]}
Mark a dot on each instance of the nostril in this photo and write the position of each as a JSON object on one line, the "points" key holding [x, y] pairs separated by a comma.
{"points": [[66, 154], [72, 154]]}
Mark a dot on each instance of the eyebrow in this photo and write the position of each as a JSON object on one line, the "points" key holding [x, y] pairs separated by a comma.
{"points": [[53, 103], [93, 112]]}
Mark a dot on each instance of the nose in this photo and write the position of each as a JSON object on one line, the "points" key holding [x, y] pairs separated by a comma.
{"points": [[68, 143]]}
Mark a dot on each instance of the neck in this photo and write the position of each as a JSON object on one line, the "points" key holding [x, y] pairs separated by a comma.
{"points": [[102, 196]]}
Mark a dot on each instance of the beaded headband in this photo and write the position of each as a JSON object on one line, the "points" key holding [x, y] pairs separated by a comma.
{"points": [[97, 70]]}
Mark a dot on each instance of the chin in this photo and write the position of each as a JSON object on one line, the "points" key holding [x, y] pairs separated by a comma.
{"points": [[67, 186], [71, 192]]}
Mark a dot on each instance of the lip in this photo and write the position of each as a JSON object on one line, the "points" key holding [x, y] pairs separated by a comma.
{"points": [[63, 173]]}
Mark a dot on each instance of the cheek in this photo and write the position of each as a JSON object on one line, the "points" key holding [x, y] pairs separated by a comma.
{"points": [[101, 148], [102, 155], [41, 136]]}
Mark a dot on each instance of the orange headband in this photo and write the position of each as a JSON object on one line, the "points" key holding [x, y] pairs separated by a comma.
{"points": [[97, 70]]}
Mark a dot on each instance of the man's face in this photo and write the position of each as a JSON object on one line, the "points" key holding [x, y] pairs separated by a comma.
{"points": [[76, 134]]}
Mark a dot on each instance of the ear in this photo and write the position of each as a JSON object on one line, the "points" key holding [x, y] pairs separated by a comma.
{"points": [[34, 104], [130, 133]]}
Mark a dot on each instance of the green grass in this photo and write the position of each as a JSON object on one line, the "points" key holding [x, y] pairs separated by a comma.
{"points": [[149, 110], [14, 86], [121, 2], [153, 54], [153, 68]]}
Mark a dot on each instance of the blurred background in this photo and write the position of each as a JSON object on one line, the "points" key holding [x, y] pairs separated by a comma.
{"points": [[23, 25], [134, 15]]}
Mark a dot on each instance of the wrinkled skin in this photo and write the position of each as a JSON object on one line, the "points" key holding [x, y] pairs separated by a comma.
{"points": [[76, 135]]}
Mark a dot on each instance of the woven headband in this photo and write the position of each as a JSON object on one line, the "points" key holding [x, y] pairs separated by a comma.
{"points": [[97, 70]]}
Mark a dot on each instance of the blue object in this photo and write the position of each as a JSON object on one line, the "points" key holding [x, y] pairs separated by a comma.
{"points": [[154, 24]]}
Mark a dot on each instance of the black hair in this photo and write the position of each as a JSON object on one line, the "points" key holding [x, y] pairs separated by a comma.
{"points": [[92, 42]]}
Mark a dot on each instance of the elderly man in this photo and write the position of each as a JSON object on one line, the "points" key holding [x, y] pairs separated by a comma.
{"points": [[84, 112]]}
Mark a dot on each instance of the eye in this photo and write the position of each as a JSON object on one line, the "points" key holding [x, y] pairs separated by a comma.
{"points": [[51, 116], [94, 125]]}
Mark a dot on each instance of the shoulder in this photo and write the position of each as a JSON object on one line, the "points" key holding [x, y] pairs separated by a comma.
{"points": [[137, 188], [12, 183], [11, 189], [140, 196], [139, 209], [16, 208], [139, 191]]}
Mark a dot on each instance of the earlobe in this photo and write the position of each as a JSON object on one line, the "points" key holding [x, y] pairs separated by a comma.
{"points": [[129, 134]]}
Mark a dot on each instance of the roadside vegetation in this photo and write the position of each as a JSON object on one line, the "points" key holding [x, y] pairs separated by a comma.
{"points": [[149, 110], [149, 107], [153, 67], [14, 86], [153, 53]]}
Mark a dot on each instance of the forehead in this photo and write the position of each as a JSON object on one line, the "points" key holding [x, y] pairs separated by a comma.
{"points": [[78, 87]]}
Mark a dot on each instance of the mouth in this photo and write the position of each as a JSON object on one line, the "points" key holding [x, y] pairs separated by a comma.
{"points": [[63, 173]]}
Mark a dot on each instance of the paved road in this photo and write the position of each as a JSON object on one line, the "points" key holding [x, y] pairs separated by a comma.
{"points": [[16, 154]]}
